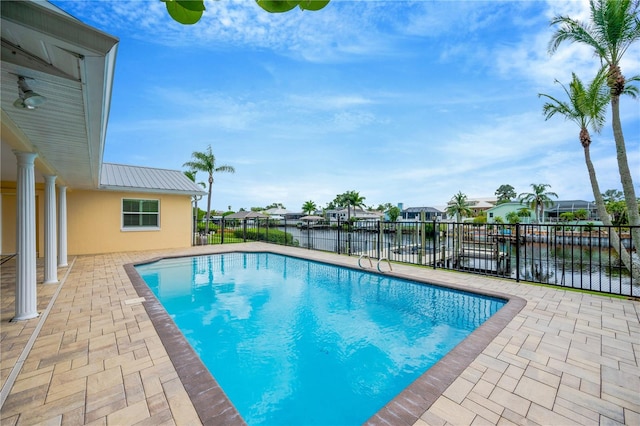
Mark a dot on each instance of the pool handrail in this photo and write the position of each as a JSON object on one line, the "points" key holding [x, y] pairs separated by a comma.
{"points": [[365, 256], [388, 263]]}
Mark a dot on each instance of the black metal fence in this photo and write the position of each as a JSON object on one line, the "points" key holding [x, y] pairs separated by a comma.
{"points": [[582, 256]]}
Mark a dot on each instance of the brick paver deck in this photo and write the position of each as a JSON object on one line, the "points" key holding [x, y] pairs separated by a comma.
{"points": [[96, 357]]}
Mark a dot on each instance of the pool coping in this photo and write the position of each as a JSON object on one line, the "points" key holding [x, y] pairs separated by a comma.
{"points": [[215, 408]]}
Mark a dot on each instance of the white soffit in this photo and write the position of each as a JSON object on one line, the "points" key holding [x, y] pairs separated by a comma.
{"points": [[72, 65]]}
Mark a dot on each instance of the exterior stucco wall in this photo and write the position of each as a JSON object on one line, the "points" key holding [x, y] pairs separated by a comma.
{"points": [[95, 217], [502, 210], [8, 212]]}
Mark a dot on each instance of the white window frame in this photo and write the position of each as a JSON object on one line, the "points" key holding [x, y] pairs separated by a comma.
{"points": [[138, 228]]}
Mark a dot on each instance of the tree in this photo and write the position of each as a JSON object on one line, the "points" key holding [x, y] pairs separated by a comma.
{"points": [[611, 195], [524, 212], [384, 207], [480, 218], [459, 206], [505, 194], [394, 212], [349, 199], [513, 218], [567, 217], [189, 12], [275, 206], [206, 162], [618, 212], [586, 107], [614, 26], [538, 199], [309, 207], [581, 214]]}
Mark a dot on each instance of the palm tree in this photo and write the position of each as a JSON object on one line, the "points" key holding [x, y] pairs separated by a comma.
{"points": [[351, 199], [309, 207], [586, 107], [538, 199], [206, 162], [513, 218], [459, 206], [524, 212], [614, 26]]}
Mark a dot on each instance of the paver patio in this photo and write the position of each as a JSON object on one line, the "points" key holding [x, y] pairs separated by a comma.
{"points": [[566, 358]]}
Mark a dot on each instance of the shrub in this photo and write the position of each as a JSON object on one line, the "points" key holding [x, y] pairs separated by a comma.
{"points": [[273, 236]]}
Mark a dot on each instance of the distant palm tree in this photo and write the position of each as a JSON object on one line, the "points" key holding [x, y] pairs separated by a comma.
{"points": [[459, 207], [309, 207], [613, 27], [351, 199], [586, 106], [513, 217], [206, 162], [538, 199], [524, 212]]}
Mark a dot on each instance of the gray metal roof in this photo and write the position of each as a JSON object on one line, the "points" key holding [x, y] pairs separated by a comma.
{"points": [[421, 209], [120, 177], [246, 215]]}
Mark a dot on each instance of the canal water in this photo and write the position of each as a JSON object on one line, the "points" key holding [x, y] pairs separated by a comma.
{"points": [[572, 266]]}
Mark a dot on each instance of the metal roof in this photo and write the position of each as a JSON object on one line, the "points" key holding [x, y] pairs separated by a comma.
{"points": [[120, 177], [571, 205], [421, 209], [72, 65], [246, 215]]}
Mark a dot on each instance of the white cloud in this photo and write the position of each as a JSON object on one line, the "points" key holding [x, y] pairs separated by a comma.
{"points": [[403, 102]]}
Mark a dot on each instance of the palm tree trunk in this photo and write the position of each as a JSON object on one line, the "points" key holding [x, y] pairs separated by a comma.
{"points": [[627, 260], [625, 173], [206, 229]]}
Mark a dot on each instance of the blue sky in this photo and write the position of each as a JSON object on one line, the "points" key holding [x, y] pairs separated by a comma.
{"points": [[405, 102]]}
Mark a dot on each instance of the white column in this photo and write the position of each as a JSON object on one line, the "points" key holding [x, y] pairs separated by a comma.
{"points": [[50, 234], [62, 226], [26, 302]]}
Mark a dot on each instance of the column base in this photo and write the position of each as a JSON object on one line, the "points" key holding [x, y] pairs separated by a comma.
{"points": [[25, 317], [52, 282]]}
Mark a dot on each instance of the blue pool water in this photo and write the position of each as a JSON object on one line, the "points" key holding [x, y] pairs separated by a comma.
{"points": [[297, 342]]}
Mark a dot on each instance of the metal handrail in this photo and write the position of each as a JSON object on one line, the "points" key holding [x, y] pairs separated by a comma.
{"points": [[388, 263], [368, 257]]}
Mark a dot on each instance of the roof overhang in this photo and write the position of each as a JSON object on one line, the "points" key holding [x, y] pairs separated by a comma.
{"points": [[72, 65]]}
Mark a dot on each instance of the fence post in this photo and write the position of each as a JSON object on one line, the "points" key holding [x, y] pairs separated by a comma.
{"points": [[222, 231], [379, 245], [244, 230], [517, 252], [436, 235], [338, 245], [285, 231]]}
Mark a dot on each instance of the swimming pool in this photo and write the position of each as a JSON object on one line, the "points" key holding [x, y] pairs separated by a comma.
{"points": [[342, 342]]}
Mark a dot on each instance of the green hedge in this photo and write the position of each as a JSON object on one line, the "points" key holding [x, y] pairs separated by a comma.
{"points": [[273, 236]]}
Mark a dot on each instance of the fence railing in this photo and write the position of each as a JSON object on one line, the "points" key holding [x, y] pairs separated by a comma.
{"points": [[578, 256]]}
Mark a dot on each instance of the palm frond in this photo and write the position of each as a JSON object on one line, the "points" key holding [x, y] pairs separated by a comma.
{"points": [[630, 89], [574, 32]]}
